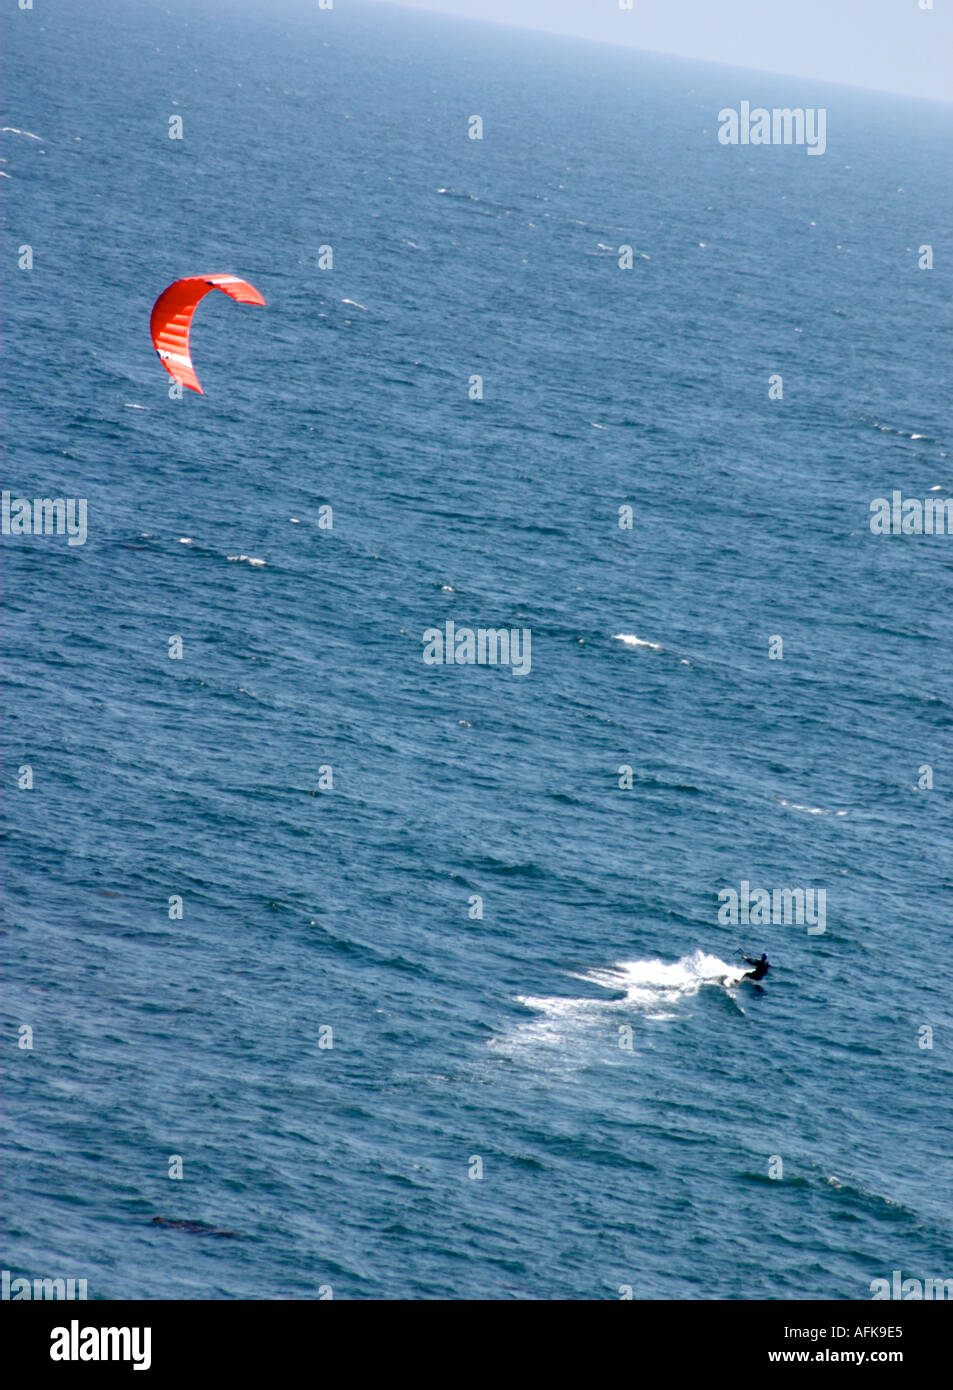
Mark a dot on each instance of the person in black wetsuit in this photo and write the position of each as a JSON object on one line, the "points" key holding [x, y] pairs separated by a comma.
{"points": [[761, 968]]}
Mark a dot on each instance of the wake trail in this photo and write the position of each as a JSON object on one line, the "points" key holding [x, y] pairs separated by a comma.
{"points": [[646, 983], [652, 989]]}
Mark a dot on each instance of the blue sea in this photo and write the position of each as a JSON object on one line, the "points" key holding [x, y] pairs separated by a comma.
{"points": [[450, 1010]]}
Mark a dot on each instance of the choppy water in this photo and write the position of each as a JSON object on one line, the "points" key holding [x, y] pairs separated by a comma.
{"points": [[610, 1157]]}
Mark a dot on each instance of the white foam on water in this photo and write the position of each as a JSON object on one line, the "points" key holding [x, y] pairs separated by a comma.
{"points": [[647, 983], [631, 640], [649, 989]]}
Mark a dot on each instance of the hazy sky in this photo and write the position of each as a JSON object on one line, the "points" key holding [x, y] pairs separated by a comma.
{"points": [[891, 45]]}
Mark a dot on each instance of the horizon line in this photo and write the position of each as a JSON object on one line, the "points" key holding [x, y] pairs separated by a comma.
{"points": [[655, 52]]}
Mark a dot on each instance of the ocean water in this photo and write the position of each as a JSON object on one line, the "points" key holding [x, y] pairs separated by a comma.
{"points": [[585, 1042]]}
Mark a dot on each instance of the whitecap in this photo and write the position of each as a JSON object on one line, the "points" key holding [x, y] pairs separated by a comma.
{"points": [[631, 640], [248, 559]]}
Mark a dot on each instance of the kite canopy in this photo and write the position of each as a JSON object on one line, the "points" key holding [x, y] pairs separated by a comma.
{"points": [[172, 319]]}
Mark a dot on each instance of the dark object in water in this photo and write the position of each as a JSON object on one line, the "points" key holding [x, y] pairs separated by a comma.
{"points": [[195, 1228]]}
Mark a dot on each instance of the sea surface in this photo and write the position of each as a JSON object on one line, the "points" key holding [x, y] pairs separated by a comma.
{"points": [[569, 1096]]}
